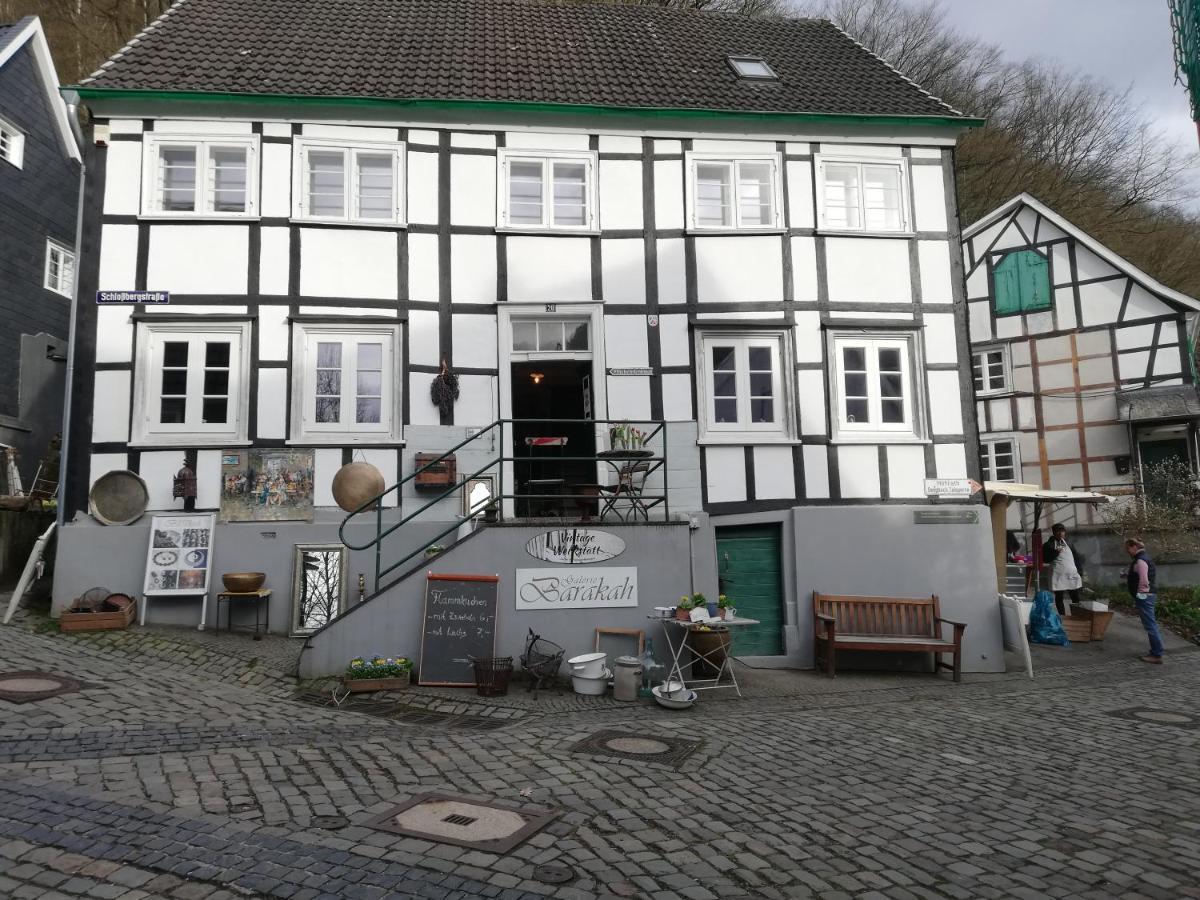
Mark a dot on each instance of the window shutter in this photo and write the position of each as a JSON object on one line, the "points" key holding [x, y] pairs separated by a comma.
{"points": [[1035, 281], [1008, 287]]}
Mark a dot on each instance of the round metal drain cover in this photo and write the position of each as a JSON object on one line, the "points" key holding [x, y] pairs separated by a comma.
{"points": [[1158, 715], [27, 686], [639, 745], [552, 874], [329, 823]]}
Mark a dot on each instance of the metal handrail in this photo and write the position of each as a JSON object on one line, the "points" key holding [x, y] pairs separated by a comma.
{"points": [[645, 501]]}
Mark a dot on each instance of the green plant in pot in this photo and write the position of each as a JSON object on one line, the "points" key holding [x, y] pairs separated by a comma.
{"points": [[725, 605], [686, 604]]}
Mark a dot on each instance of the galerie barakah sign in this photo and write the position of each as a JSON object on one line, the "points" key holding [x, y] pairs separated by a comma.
{"points": [[575, 545], [576, 588]]}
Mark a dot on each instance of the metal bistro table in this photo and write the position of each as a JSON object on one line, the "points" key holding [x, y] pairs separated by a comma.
{"points": [[677, 633], [632, 467]]}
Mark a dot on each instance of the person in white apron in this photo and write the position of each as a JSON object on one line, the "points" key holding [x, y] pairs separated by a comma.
{"points": [[1065, 563]]}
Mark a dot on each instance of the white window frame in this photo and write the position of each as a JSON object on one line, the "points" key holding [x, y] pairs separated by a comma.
{"points": [[350, 149], [733, 160], [14, 141], [66, 264], [899, 163], [557, 318], [547, 158], [305, 336], [1006, 358], [148, 381], [783, 429], [203, 144], [735, 63], [987, 452], [876, 431]]}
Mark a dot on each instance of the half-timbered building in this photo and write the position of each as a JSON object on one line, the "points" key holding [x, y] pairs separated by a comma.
{"points": [[739, 236]]}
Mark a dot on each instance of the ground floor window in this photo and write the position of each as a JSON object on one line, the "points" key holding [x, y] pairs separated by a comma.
{"points": [[1001, 459]]}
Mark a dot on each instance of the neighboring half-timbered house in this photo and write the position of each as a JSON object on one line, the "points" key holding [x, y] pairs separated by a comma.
{"points": [[1083, 364], [744, 228]]}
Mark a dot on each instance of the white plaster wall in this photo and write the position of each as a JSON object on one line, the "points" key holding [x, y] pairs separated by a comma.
{"points": [[1100, 302], [774, 475], [628, 397], [951, 460], [477, 402], [672, 271], [423, 338], [208, 479], [620, 188], [980, 321], [810, 393], [623, 270], [862, 270], [933, 262], [546, 140], [1133, 365], [385, 460], [421, 410], [549, 269], [673, 339], [801, 211], [677, 397], [474, 340], [198, 259], [858, 471], [123, 178], [472, 190], [739, 268], [326, 462], [158, 469], [809, 342], [338, 262], [110, 408], [620, 143], [940, 345], [906, 471], [668, 193], [625, 343], [944, 402], [423, 267], [472, 268], [977, 284], [274, 260], [1064, 307], [423, 187], [1089, 265], [118, 257], [272, 404], [350, 132], [276, 198], [1010, 238], [1144, 305], [726, 474], [103, 463], [804, 269], [114, 334], [929, 198], [816, 472]]}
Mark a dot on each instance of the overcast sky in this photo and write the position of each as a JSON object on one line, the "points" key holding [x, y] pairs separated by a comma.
{"points": [[1124, 42]]}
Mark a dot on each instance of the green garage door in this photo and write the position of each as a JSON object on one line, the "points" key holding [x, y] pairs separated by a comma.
{"points": [[748, 565]]}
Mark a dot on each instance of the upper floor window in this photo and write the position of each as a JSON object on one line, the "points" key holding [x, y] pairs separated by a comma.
{"points": [[346, 381], [348, 181], [752, 67], [60, 269], [866, 195], [876, 389], [191, 383], [1001, 459], [733, 193], [545, 190], [991, 370], [744, 388], [1022, 283], [209, 176], [12, 144]]}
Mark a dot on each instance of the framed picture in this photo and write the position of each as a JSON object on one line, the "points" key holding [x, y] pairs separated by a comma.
{"points": [[267, 486], [179, 558]]}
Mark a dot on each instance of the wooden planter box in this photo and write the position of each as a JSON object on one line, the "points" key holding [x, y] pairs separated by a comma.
{"points": [[370, 685], [97, 621]]}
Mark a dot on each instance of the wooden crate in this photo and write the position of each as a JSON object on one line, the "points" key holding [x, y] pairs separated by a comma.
{"points": [[1078, 628], [97, 621], [1099, 621]]}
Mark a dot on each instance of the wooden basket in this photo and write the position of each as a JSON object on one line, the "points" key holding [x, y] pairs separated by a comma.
{"points": [[97, 621]]}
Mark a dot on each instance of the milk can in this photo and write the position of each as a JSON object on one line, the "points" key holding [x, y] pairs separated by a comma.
{"points": [[627, 677]]}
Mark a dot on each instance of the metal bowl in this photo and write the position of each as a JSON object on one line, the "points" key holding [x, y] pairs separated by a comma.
{"points": [[682, 702], [243, 582]]}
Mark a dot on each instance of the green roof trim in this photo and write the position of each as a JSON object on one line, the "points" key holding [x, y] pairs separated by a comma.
{"points": [[516, 106]]}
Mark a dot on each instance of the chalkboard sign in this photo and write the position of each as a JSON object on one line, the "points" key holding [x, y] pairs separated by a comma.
{"points": [[459, 625]]}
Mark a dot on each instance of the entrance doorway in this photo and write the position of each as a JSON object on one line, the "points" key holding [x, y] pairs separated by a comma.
{"points": [[750, 574], [553, 389]]}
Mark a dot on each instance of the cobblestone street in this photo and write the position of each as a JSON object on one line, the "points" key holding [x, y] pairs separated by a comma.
{"points": [[185, 768]]}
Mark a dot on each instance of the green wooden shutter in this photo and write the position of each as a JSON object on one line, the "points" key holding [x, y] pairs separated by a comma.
{"points": [[1008, 288], [1022, 281]]}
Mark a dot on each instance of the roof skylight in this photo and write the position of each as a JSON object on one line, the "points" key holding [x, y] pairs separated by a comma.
{"points": [[751, 67]]}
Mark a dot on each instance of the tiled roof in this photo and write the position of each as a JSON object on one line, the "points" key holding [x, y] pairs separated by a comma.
{"points": [[1148, 404], [510, 50]]}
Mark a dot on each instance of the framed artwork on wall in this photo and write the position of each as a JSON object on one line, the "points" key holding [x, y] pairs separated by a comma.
{"points": [[266, 485], [179, 558]]}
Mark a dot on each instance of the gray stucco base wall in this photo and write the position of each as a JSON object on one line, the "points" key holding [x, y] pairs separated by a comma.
{"points": [[391, 622], [1105, 561]]}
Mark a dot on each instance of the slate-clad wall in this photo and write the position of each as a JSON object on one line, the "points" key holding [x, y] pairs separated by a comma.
{"points": [[446, 272], [1104, 333], [37, 201]]}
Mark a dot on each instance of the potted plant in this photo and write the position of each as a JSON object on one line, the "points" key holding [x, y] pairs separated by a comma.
{"points": [[624, 436], [434, 550], [683, 609], [725, 607], [377, 673]]}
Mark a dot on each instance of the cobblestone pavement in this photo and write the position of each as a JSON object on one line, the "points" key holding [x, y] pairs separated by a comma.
{"points": [[172, 774]]}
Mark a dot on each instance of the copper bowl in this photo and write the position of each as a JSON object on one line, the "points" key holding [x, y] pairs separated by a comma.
{"points": [[243, 582]]}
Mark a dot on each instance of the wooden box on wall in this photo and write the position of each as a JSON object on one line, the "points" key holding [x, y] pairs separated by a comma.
{"points": [[443, 472]]}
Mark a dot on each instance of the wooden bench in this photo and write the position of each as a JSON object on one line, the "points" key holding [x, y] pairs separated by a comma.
{"points": [[909, 625]]}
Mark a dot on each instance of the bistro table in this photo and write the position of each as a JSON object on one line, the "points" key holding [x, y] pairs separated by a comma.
{"points": [[262, 604], [677, 633], [628, 465]]}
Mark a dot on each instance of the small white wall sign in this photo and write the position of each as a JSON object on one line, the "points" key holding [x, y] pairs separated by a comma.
{"points": [[572, 546], [590, 588], [949, 487], [110, 297]]}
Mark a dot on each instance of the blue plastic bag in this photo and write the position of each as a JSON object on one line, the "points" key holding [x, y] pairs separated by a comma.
{"points": [[1045, 626]]}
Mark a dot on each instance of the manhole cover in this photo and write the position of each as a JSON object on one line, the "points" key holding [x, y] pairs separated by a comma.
{"points": [[24, 687], [670, 751], [1158, 717], [552, 874], [329, 823], [465, 821]]}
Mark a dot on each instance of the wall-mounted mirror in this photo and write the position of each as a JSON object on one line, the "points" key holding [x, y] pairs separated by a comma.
{"points": [[318, 586], [478, 494]]}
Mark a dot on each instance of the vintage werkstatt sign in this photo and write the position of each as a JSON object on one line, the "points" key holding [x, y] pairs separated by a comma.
{"points": [[590, 588], [575, 545]]}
